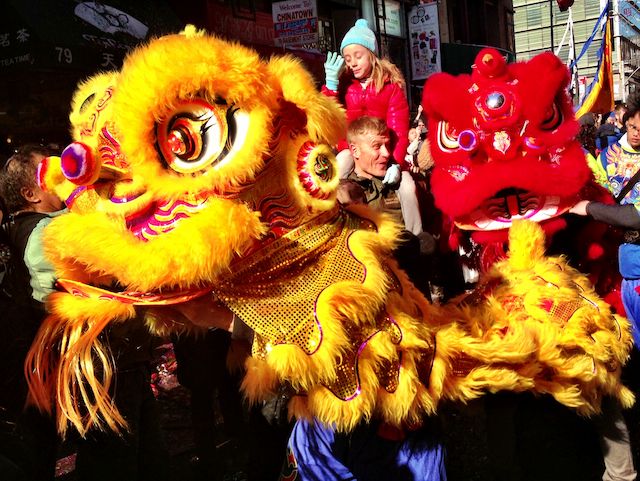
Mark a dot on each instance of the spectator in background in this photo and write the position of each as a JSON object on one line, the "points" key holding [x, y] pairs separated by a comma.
{"points": [[620, 110], [417, 137], [368, 139], [31, 441], [202, 368], [608, 133], [587, 133]]}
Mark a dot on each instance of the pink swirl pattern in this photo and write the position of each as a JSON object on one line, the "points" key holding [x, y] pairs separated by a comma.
{"points": [[162, 217]]}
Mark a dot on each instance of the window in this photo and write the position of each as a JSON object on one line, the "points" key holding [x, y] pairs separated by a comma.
{"points": [[535, 39], [522, 42], [534, 16], [591, 9]]}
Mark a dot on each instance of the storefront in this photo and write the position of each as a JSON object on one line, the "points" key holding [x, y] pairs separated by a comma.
{"points": [[46, 48]]}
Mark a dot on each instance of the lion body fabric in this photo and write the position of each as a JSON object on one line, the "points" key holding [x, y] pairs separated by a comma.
{"points": [[201, 169]]}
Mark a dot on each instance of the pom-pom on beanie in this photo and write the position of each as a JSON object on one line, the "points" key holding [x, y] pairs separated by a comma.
{"points": [[360, 34]]}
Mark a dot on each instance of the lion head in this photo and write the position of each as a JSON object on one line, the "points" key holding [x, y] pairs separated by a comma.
{"points": [[195, 154], [503, 142]]}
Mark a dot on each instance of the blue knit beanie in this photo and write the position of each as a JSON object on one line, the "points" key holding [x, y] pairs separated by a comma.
{"points": [[360, 34]]}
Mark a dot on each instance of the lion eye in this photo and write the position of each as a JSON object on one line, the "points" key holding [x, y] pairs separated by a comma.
{"points": [[447, 137], [184, 140], [553, 119], [198, 135], [87, 102], [495, 100]]}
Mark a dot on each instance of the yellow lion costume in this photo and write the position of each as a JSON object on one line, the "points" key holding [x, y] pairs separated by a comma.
{"points": [[200, 171]]}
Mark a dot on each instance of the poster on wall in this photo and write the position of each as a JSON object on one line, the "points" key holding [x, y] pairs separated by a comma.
{"points": [[392, 18], [295, 23], [424, 41]]}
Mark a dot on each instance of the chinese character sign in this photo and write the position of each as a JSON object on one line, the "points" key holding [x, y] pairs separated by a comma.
{"points": [[15, 47], [295, 22], [424, 40]]}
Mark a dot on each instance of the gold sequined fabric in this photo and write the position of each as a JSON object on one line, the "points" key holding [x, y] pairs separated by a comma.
{"points": [[275, 290], [563, 311], [346, 384], [390, 373]]}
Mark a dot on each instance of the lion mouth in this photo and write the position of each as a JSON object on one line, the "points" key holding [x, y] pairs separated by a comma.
{"points": [[155, 218], [499, 212]]}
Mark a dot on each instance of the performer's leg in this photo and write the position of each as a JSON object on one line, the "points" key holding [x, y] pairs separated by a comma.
{"points": [[615, 443]]}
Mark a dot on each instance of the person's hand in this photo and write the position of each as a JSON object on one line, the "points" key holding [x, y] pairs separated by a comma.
{"points": [[204, 311], [580, 208], [393, 175], [410, 160], [332, 68]]}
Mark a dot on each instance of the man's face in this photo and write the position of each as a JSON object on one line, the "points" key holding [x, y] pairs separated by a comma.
{"points": [[371, 154], [633, 131]]}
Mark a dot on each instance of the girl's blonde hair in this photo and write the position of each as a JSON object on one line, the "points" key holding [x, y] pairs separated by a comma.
{"points": [[382, 71]]}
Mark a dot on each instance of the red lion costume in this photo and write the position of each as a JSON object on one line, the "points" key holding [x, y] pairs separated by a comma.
{"points": [[503, 142]]}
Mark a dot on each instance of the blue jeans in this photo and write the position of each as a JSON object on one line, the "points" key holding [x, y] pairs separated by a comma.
{"points": [[631, 301]]}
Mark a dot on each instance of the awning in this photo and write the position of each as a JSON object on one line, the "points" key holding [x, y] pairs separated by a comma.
{"points": [[77, 35]]}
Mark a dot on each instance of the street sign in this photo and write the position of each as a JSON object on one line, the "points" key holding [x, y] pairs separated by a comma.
{"points": [[295, 23]]}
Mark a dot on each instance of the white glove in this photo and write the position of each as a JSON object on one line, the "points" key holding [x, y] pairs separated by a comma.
{"points": [[393, 175]]}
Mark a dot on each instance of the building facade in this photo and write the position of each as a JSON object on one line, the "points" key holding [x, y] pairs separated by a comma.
{"points": [[540, 26], [33, 108], [464, 26]]}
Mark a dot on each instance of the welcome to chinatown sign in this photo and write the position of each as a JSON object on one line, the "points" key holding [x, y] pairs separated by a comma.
{"points": [[295, 23]]}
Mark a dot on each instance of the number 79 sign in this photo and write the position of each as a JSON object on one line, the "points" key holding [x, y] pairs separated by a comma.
{"points": [[64, 55]]}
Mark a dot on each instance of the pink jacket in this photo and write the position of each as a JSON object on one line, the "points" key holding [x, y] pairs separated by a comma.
{"points": [[390, 104]]}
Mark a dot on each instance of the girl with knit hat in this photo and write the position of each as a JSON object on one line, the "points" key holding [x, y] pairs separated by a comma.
{"points": [[373, 86]]}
